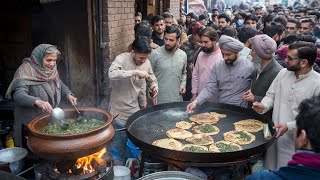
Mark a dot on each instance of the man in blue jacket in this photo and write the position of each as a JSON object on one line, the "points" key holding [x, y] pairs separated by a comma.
{"points": [[305, 163]]}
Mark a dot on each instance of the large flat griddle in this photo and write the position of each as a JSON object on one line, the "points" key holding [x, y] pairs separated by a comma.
{"points": [[150, 124]]}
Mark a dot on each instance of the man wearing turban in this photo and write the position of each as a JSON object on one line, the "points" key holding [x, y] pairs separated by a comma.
{"points": [[231, 77]]}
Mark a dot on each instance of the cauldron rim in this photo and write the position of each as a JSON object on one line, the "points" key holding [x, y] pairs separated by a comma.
{"points": [[36, 132]]}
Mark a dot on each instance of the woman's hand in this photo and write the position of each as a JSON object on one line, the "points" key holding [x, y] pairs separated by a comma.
{"points": [[43, 105], [72, 99]]}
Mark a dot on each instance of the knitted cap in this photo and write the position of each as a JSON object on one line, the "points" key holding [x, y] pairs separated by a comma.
{"points": [[264, 46]]}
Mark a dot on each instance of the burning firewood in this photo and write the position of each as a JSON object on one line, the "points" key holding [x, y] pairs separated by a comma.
{"points": [[64, 166]]}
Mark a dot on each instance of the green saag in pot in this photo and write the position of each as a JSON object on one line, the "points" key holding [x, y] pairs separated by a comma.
{"points": [[73, 128]]}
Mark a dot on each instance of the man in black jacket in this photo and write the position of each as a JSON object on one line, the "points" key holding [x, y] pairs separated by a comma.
{"points": [[264, 47]]}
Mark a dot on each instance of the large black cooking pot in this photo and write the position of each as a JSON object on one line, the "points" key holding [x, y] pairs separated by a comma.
{"points": [[150, 124]]}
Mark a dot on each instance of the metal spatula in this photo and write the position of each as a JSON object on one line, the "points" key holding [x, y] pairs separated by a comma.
{"points": [[80, 117]]}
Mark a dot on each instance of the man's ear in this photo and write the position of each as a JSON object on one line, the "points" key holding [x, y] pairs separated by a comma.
{"points": [[303, 139], [305, 63], [132, 53], [178, 40]]}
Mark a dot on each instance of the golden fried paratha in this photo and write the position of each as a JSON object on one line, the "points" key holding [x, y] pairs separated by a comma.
{"points": [[184, 125], [168, 143], [194, 148], [220, 116], [249, 125], [239, 137], [204, 118], [224, 146], [207, 129], [200, 139], [178, 133]]}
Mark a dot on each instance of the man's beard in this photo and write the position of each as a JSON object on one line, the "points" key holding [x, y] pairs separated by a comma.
{"points": [[168, 48], [229, 61], [207, 50], [294, 68], [157, 32]]}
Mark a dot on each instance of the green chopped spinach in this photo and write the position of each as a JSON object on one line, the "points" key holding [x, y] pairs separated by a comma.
{"points": [[195, 140], [193, 149], [227, 147], [207, 128], [74, 127], [243, 136]]}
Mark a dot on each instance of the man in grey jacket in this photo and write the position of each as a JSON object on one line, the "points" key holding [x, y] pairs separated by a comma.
{"points": [[231, 77]]}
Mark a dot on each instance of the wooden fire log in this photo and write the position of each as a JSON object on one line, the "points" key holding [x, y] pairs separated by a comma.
{"points": [[99, 164]]}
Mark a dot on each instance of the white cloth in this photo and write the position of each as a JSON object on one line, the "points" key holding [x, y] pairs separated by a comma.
{"points": [[284, 95]]}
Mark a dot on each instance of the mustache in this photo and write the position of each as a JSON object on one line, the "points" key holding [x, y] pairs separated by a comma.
{"points": [[206, 49]]}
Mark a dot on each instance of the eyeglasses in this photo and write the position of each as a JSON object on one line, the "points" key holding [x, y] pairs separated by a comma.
{"points": [[290, 58]]}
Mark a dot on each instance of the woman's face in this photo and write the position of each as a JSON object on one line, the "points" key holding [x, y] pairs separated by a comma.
{"points": [[49, 61]]}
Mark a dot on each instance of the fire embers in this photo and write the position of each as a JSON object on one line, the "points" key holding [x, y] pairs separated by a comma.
{"points": [[91, 164]]}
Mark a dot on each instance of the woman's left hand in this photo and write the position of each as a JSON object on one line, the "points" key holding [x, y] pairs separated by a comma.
{"points": [[72, 99]]}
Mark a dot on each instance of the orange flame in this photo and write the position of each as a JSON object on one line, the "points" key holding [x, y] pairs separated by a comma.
{"points": [[85, 162]]}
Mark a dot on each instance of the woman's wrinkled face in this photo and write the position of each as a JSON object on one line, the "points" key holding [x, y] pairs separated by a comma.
{"points": [[49, 61]]}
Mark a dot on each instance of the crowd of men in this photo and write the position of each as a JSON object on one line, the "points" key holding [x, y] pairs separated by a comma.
{"points": [[261, 59]]}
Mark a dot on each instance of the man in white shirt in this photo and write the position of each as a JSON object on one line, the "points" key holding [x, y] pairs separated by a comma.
{"points": [[291, 86]]}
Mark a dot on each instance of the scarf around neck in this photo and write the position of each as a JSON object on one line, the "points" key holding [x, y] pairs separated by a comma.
{"points": [[32, 72], [305, 159]]}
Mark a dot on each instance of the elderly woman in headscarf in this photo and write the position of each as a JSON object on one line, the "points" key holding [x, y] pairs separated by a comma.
{"points": [[36, 88]]}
